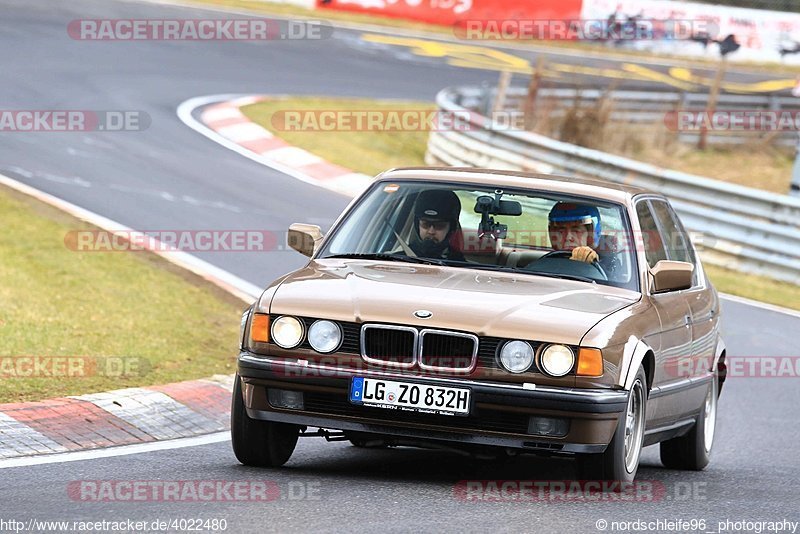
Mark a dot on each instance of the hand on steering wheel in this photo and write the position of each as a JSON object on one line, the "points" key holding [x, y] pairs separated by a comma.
{"points": [[568, 255]]}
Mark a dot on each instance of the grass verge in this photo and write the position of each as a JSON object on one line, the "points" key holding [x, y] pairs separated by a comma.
{"points": [[369, 152], [756, 163], [373, 152], [99, 320]]}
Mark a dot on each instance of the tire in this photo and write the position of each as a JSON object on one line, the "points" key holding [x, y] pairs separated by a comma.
{"points": [[693, 451], [259, 443], [620, 462]]}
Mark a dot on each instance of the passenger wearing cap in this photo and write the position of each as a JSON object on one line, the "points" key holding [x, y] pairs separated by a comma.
{"points": [[575, 228], [436, 213]]}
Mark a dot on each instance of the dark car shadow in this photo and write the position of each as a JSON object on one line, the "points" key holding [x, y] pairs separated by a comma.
{"points": [[436, 466]]}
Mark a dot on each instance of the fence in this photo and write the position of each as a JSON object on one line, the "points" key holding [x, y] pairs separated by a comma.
{"points": [[652, 107]]}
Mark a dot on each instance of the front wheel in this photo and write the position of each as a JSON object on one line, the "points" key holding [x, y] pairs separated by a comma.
{"points": [[693, 451], [259, 443], [620, 461]]}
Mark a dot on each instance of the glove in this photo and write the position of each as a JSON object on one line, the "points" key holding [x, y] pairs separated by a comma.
{"points": [[584, 254]]}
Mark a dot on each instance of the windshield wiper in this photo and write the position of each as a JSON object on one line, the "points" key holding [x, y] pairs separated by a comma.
{"points": [[563, 276], [456, 263], [386, 257], [504, 269]]}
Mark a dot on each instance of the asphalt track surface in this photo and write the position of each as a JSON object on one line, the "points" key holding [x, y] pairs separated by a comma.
{"points": [[170, 177]]}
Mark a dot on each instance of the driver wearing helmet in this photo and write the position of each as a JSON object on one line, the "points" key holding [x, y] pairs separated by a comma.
{"points": [[436, 213], [575, 228]]}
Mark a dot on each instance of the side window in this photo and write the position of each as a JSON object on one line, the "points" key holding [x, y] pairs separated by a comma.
{"points": [[653, 244], [679, 248], [672, 234]]}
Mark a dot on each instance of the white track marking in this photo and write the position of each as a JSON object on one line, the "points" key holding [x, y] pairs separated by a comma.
{"points": [[292, 155], [219, 114], [123, 450], [761, 305], [241, 133]]}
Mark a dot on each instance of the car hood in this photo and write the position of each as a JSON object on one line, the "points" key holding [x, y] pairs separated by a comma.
{"points": [[485, 303]]}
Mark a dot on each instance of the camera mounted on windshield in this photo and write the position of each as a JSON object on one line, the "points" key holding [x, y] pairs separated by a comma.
{"points": [[488, 206]]}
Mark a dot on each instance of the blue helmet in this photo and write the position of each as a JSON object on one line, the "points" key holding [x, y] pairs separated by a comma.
{"points": [[570, 212]]}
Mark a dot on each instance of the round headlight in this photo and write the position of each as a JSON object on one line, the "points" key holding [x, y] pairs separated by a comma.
{"points": [[516, 356], [287, 332], [557, 360], [325, 336]]}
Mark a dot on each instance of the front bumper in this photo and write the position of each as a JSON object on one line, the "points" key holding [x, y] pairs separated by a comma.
{"points": [[499, 414]]}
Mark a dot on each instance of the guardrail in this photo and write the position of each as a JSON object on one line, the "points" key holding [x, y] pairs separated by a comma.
{"points": [[741, 228], [651, 107]]}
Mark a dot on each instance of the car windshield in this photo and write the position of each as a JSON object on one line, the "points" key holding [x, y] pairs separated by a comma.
{"points": [[466, 226]]}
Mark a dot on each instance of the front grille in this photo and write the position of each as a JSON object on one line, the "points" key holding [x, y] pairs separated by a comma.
{"points": [[351, 344], [394, 346], [489, 420], [446, 351], [487, 351]]}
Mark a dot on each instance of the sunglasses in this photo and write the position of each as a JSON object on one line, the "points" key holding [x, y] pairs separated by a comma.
{"points": [[439, 226]]}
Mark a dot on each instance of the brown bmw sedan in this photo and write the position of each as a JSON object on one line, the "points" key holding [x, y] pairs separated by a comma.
{"points": [[492, 312]]}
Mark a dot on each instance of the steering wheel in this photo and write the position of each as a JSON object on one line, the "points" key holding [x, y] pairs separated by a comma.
{"points": [[568, 254]]}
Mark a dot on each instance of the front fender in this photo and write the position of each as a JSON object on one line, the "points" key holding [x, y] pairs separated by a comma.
{"points": [[719, 363], [635, 352]]}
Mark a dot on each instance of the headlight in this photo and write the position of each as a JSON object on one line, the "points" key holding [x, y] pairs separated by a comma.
{"points": [[325, 336], [557, 360], [287, 332], [516, 356]]}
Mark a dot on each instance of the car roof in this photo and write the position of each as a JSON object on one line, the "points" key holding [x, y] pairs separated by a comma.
{"points": [[524, 180]]}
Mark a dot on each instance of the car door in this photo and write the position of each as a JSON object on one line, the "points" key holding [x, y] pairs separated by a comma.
{"points": [[700, 298], [676, 334]]}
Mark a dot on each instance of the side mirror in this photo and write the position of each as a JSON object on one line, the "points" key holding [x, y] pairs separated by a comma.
{"points": [[304, 238], [671, 275]]}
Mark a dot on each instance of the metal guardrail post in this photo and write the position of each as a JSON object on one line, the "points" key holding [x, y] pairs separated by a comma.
{"points": [[502, 90]]}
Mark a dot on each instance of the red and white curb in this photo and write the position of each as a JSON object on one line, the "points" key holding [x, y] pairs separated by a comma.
{"points": [[219, 118], [113, 418]]}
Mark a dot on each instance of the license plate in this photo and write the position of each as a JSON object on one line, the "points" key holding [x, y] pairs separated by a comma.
{"points": [[409, 397]]}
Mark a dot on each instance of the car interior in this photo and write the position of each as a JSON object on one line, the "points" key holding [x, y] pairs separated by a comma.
{"points": [[501, 251]]}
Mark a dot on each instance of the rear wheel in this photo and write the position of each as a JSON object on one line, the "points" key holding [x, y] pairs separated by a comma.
{"points": [[693, 451], [259, 443], [620, 461]]}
